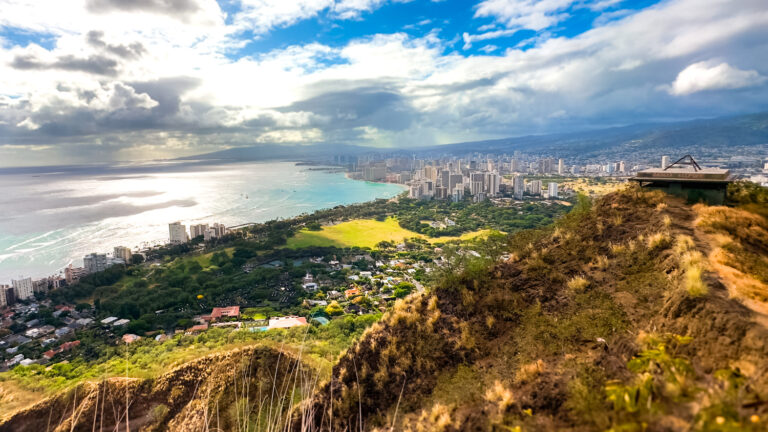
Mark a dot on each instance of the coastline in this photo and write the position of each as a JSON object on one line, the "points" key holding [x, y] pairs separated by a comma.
{"points": [[44, 253]]}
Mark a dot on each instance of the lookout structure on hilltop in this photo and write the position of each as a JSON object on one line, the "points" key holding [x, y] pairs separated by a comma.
{"points": [[686, 179]]}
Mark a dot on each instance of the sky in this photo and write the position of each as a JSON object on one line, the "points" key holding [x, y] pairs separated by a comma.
{"points": [[115, 80]]}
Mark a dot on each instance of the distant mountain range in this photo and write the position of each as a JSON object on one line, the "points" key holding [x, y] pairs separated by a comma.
{"points": [[744, 130]]}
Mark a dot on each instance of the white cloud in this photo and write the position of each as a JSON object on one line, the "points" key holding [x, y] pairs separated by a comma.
{"points": [[525, 14], [382, 89], [709, 76]]}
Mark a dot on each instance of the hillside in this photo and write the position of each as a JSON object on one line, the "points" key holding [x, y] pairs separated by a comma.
{"points": [[640, 313], [216, 392], [633, 312]]}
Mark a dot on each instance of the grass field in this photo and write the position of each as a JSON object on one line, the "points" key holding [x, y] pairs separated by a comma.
{"points": [[364, 233]]}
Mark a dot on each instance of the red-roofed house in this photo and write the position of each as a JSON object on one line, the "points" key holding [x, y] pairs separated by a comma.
{"points": [[197, 328], [227, 312], [69, 345], [351, 292], [64, 347]]}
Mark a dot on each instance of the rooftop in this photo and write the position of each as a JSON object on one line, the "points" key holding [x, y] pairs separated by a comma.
{"points": [[685, 169]]}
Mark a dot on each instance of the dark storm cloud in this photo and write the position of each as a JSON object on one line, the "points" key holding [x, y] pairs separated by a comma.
{"points": [[135, 50], [127, 111], [371, 106], [95, 64], [167, 92], [170, 7]]}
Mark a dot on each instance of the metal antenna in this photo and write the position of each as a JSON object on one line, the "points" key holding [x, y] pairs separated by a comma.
{"points": [[685, 160]]}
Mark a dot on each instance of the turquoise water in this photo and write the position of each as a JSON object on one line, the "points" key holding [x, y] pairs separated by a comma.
{"points": [[52, 217]]}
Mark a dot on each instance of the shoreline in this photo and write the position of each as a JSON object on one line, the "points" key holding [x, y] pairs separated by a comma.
{"points": [[142, 244]]}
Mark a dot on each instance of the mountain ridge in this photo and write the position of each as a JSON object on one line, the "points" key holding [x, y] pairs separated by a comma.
{"points": [[749, 129]]}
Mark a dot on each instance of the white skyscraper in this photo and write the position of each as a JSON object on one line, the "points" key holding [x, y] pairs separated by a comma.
{"points": [[552, 190], [535, 187], [519, 187], [178, 233], [664, 161], [23, 288], [560, 167]]}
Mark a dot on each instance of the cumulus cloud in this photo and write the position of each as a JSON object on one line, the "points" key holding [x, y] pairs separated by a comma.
{"points": [[134, 50], [703, 76], [179, 87]]}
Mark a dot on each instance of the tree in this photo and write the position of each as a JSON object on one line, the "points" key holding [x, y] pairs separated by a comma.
{"points": [[334, 309], [137, 259], [403, 289]]}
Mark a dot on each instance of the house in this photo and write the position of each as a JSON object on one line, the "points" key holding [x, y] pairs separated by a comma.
{"points": [[286, 322], [121, 322], [225, 312], [197, 328], [130, 338], [354, 277], [351, 292], [308, 278], [109, 320], [366, 274], [310, 303], [310, 287], [62, 331], [69, 345], [333, 294]]}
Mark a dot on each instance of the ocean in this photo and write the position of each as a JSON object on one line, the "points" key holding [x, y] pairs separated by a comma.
{"points": [[53, 216]]}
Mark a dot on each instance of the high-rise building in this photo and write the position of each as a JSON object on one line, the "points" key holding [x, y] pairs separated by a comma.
{"points": [[664, 162], [178, 233], [73, 274], [552, 190], [622, 167], [445, 178], [374, 173], [123, 253], [560, 167], [95, 262], [197, 230], [458, 194], [476, 183], [3, 299], [535, 187], [10, 295], [455, 181], [519, 187], [23, 289], [492, 182]]}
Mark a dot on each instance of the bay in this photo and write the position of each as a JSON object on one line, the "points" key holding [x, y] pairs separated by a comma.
{"points": [[51, 217]]}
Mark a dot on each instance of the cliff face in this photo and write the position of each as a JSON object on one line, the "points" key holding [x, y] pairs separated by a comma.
{"points": [[244, 389], [639, 314]]}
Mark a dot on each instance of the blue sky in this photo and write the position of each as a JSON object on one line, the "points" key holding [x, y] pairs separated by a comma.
{"points": [[450, 19], [88, 80]]}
